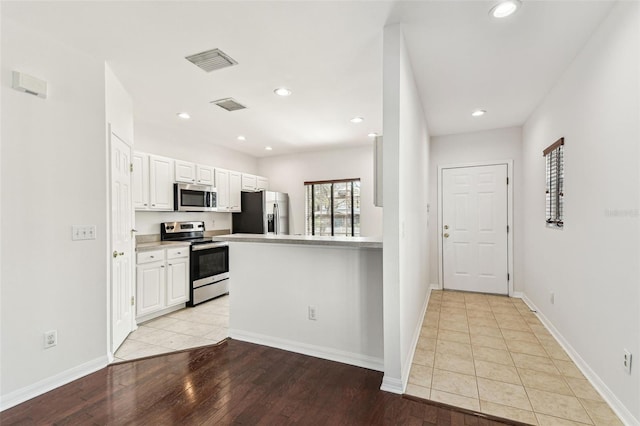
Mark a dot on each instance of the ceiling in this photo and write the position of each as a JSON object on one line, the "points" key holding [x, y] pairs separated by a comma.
{"points": [[329, 53]]}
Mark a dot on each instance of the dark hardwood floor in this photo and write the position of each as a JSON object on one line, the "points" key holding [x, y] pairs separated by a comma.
{"points": [[233, 383]]}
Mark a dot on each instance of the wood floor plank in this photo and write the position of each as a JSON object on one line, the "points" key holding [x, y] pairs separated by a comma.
{"points": [[233, 383]]}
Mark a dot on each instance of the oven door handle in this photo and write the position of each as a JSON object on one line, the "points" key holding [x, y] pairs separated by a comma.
{"points": [[199, 247]]}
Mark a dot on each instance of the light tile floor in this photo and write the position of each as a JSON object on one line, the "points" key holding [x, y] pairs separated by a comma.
{"points": [[201, 325], [492, 354]]}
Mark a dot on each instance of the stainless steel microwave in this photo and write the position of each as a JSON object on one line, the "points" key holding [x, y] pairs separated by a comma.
{"points": [[194, 198]]}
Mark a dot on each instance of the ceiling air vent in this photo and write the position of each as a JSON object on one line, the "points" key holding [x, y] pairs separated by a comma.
{"points": [[229, 104], [211, 60]]}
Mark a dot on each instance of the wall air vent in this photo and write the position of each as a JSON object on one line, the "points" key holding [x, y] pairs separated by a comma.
{"points": [[229, 104], [211, 60]]}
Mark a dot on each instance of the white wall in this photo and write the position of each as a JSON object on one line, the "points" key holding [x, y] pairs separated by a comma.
{"points": [[405, 233], [592, 265], [163, 141], [287, 173], [490, 145], [54, 175]]}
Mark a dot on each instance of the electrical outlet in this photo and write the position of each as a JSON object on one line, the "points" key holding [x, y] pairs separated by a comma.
{"points": [[83, 232], [312, 313], [50, 339], [552, 298], [627, 361]]}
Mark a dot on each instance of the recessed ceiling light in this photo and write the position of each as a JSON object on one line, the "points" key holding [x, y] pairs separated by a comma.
{"points": [[184, 115], [268, 148], [372, 135], [478, 113], [242, 138], [504, 8], [357, 120], [282, 91]]}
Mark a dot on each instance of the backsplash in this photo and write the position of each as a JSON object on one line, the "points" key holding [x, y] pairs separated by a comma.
{"points": [[148, 223], [152, 238]]}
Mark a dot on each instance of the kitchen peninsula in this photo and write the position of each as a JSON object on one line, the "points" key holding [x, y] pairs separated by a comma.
{"points": [[320, 296]]}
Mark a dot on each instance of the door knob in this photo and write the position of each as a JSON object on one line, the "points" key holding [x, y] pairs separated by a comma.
{"points": [[116, 254], [446, 235], [446, 227]]}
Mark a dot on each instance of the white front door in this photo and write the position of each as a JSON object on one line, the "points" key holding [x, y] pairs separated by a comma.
{"points": [[122, 313], [474, 229]]}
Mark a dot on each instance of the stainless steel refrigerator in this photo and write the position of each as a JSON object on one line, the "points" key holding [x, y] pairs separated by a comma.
{"points": [[264, 212]]}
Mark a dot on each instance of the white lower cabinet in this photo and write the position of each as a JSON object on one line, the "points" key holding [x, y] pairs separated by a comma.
{"points": [[177, 276], [162, 281]]}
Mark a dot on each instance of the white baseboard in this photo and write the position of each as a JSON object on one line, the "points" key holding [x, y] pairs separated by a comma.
{"points": [[359, 360], [435, 286], [406, 368], [621, 411], [28, 392], [391, 384], [518, 295]]}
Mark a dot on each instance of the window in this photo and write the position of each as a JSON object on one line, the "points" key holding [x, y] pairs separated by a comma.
{"points": [[333, 207], [555, 180]]}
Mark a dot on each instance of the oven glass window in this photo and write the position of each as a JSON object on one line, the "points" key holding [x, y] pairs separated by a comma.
{"points": [[192, 198], [211, 262]]}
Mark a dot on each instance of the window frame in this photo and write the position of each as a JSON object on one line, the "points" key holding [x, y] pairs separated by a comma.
{"points": [[332, 182], [554, 198]]}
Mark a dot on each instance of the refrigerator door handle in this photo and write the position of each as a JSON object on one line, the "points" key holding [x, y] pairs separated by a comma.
{"points": [[276, 219]]}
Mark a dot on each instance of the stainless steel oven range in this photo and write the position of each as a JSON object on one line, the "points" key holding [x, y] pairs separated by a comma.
{"points": [[209, 262]]}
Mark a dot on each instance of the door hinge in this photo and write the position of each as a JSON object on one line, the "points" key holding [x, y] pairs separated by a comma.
{"points": [[507, 181], [131, 167], [133, 300], [508, 277], [507, 229]]}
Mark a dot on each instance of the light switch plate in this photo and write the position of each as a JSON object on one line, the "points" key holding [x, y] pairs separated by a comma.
{"points": [[83, 232]]}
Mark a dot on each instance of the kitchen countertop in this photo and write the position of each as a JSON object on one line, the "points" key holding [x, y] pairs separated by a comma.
{"points": [[355, 242], [155, 245]]}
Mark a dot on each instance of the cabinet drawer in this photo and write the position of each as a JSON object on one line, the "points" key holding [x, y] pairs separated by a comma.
{"points": [[150, 256], [177, 252]]}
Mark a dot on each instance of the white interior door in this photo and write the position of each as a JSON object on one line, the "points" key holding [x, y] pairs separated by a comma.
{"points": [[474, 229], [122, 314]]}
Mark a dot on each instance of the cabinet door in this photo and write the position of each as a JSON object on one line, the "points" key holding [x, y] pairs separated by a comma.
{"points": [[150, 288], [205, 175], [222, 185], [185, 172], [177, 281], [235, 187], [160, 183], [140, 179], [248, 182], [262, 183]]}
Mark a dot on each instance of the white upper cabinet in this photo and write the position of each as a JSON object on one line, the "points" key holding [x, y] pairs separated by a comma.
{"points": [[235, 187], [222, 185], [140, 178], [152, 182], [254, 183], [248, 182], [154, 176], [161, 178], [185, 171], [205, 175], [262, 183]]}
